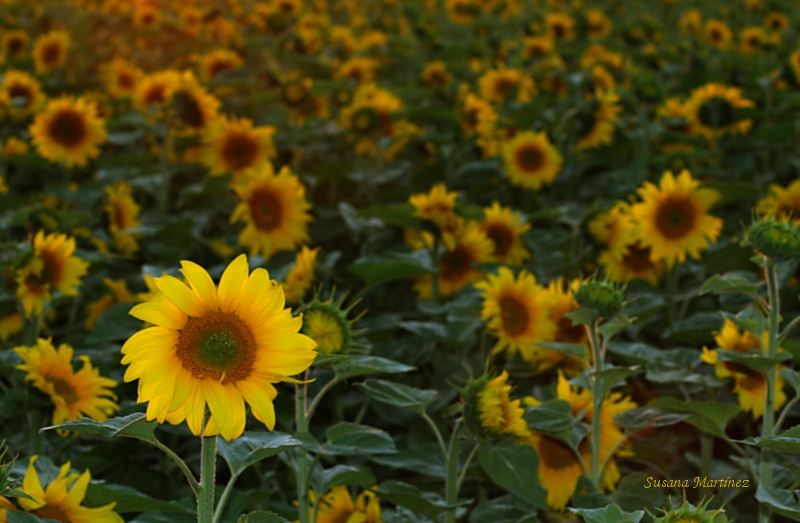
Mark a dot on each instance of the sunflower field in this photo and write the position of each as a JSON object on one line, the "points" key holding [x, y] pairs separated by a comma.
{"points": [[399, 261]]}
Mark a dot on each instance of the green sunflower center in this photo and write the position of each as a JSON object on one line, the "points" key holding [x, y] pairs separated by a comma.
{"points": [[50, 512], [514, 314], [68, 128], [675, 217], [218, 346], [717, 113], [239, 151]]}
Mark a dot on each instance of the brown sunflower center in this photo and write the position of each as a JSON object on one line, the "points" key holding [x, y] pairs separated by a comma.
{"points": [[530, 158], [189, 110], [560, 30], [715, 34], [155, 94], [51, 53], [126, 80], [504, 86], [569, 333], [54, 267], [717, 113], [50, 512], [637, 259], [239, 151], [266, 210], [502, 237], [217, 346], [15, 46], [218, 66], [64, 388], [555, 455], [119, 215], [675, 217], [21, 91], [455, 264], [514, 314], [68, 128]]}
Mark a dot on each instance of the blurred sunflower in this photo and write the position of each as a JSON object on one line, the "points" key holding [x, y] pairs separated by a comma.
{"points": [[562, 301], [217, 61], [531, 160], [436, 75], [75, 394], [274, 210], [337, 506], [537, 47], [690, 22], [122, 78], [61, 500], [517, 312], [559, 26], [598, 24], [301, 276], [749, 384], [23, 91], [712, 110], [234, 145], [612, 228], [50, 51], [635, 264], [154, 90], [123, 212], [475, 113], [69, 131], [752, 39], [794, 65], [10, 324], [781, 203], [193, 106], [217, 346], [673, 220], [51, 267], [505, 228], [500, 414], [14, 146], [596, 122], [462, 12], [14, 44], [776, 21], [437, 205], [119, 294], [503, 84], [358, 68], [718, 34], [146, 15]]}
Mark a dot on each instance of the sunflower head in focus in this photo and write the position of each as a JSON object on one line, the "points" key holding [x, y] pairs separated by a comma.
{"points": [[301, 276], [713, 108], [596, 120], [61, 499], [497, 412], [23, 91], [234, 145], [274, 210], [51, 267], [50, 51], [122, 78], [531, 161], [14, 44], [218, 61], [68, 131], [123, 214], [517, 311], [718, 34], [673, 220], [216, 346], [193, 107], [505, 228], [327, 324], [75, 394]]}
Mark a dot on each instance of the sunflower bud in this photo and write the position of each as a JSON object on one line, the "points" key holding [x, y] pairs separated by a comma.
{"points": [[600, 296], [775, 239], [687, 513], [326, 323]]}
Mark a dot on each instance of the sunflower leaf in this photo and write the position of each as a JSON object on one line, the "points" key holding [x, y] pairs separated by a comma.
{"points": [[648, 418], [398, 395], [361, 364], [18, 516], [514, 467], [552, 417], [131, 426], [608, 514], [324, 480], [789, 441], [744, 282], [261, 516], [375, 270], [573, 349], [754, 360], [708, 416], [114, 324], [252, 447], [349, 439], [412, 498], [784, 502], [128, 500], [401, 214]]}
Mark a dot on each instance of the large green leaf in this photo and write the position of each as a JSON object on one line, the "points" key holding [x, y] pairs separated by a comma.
{"points": [[252, 447], [709, 416], [789, 441], [644, 418], [261, 516], [132, 426], [398, 394], [362, 364], [505, 509], [350, 439], [737, 281], [608, 514], [423, 458], [784, 502], [324, 480], [514, 467], [375, 270], [18, 516], [410, 497], [128, 500], [573, 349], [401, 214], [754, 360], [553, 416]]}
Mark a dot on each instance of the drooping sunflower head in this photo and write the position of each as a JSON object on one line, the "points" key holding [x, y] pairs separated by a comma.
{"points": [[505, 228], [531, 160], [327, 324], [123, 213], [497, 412], [234, 145], [337, 506], [23, 91], [274, 210], [782, 203], [218, 61], [673, 220], [194, 108], [69, 131], [50, 51], [301, 276], [14, 44], [216, 346]]}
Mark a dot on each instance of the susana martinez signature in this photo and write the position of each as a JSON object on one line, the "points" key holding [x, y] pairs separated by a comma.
{"points": [[697, 482]]}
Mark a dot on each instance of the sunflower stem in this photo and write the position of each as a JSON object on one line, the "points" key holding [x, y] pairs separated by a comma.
{"points": [[435, 272], [768, 427], [672, 291], [706, 455], [597, 394], [223, 499], [301, 466], [208, 466], [451, 480], [166, 178]]}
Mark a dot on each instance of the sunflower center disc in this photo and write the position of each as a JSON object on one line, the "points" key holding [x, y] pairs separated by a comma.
{"points": [[675, 218], [502, 238], [239, 151], [717, 113], [68, 128], [48, 512], [64, 389], [265, 210], [514, 314], [216, 345], [637, 259], [188, 109], [555, 455], [23, 93], [530, 158], [325, 329], [51, 53]]}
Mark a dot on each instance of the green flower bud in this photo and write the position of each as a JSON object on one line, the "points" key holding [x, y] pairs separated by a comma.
{"points": [[775, 239], [687, 513], [600, 296]]}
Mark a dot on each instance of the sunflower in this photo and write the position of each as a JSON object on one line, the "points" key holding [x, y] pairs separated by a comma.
{"points": [[776, 21], [794, 65], [215, 62], [559, 26], [50, 51], [358, 68], [517, 312], [274, 210], [146, 15], [597, 24], [711, 111], [234, 145], [505, 228], [14, 44], [499, 85], [612, 228], [51, 267], [14, 146], [437, 205], [122, 78], [634, 264], [500, 414], [537, 47], [193, 106], [327, 324], [300, 278], [122, 211], [596, 124], [456, 266], [337, 506], [673, 219], [718, 35], [3, 186], [10, 325], [749, 384], [69, 131], [462, 12], [75, 394], [61, 500], [691, 22], [436, 75], [752, 40], [23, 91], [781, 203], [476, 113], [531, 160], [119, 294], [154, 90]]}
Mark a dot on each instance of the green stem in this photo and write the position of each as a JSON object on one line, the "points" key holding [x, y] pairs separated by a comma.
{"points": [[672, 290], [435, 273], [318, 398], [301, 465], [706, 455], [208, 465], [181, 465], [166, 177], [437, 433], [223, 499], [451, 480], [463, 472], [31, 330], [768, 426], [598, 393]]}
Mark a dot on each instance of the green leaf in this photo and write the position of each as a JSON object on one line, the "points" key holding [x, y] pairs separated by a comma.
{"points": [[792, 377], [375, 270], [427, 329], [708, 416], [514, 467], [789, 441], [114, 324], [328, 360], [398, 395], [616, 325], [261, 516], [735, 281], [695, 329], [754, 360], [410, 497], [401, 214], [131, 426], [128, 499], [583, 316], [361, 364], [423, 458], [784, 502], [750, 319], [18, 516], [573, 349], [350, 439], [326, 479], [608, 514], [16, 493], [505, 509], [252, 447], [635, 420], [552, 416]]}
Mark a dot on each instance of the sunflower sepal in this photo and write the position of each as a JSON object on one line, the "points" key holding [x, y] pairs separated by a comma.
{"points": [[597, 299], [688, 512], [776, 239]]}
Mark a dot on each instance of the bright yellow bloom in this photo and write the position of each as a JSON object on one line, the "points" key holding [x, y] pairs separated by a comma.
{"points": [[154, 90], [24, 92], [300, 278], [216, 346], [598, 24], [234, 145], [559, 26], [562, 301], [436, 75], [75, 394], [712, 111], [122, 78], [14, 44], [194, 107], [500, 414], [505, 228], [673, 218], [215, 62], [52, 267], [531, 160], [10, 325], [437, 205], [597, 126], [122, 211], [781, 203], [337, 506], [517, 311], [498, 85], [68, 131], [50, 51]]}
